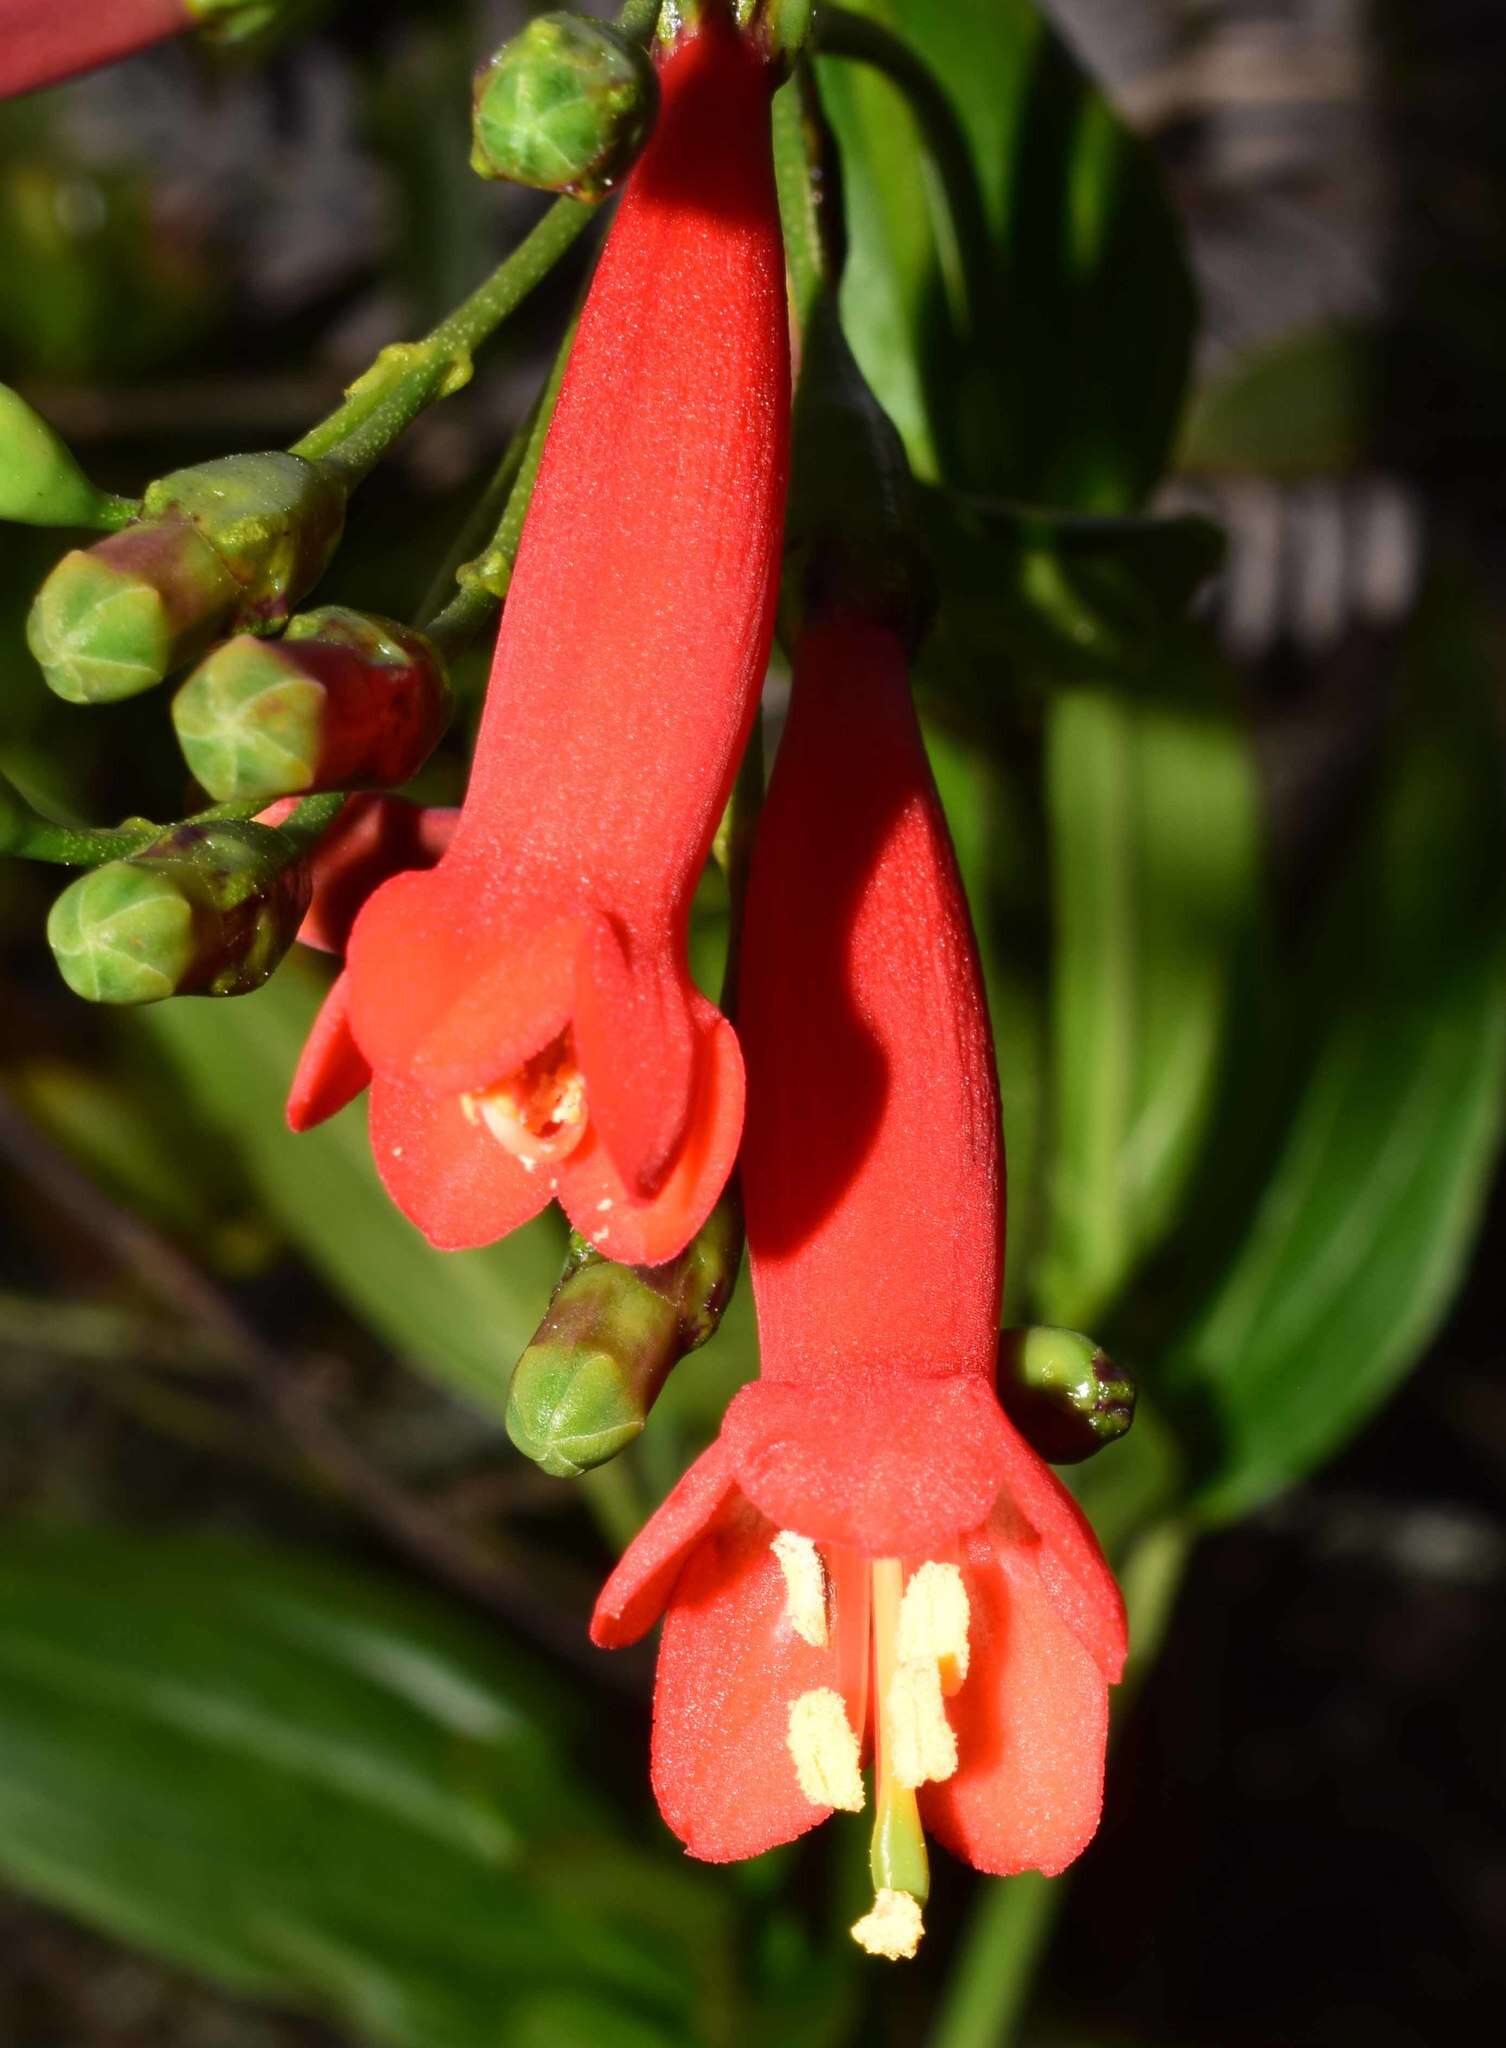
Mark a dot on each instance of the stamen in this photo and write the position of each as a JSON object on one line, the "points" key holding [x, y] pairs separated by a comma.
{"points": [[825, 1751], [539, 1112], [933, 1619], [893, 1928], [922, 1746], [804, 1586]]}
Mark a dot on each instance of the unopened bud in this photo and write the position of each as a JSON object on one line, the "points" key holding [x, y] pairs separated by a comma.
{"points": [[343, 700], [273, 519], [207, 909], [1066, 1397], [40, 482], [584, 1387], [565, 106], [113, 619]]}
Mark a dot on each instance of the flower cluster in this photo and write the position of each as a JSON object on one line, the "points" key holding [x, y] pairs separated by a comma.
{"points": [[870, 1566]]}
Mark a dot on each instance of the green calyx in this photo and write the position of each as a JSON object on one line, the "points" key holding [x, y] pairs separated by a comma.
{"points": [[564, 107], [274, 520], [206, 909], [1066, 1397], [783, 26], [852, 540], [41, 484], [584, 1387], [344, 700], [230, 542], [113, 619]]}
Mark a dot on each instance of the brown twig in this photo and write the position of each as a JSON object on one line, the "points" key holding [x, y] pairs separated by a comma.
{"points": [[490, 1580]]}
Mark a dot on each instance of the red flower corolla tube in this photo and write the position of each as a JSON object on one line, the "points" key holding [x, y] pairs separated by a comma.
{"points": [[526, 1010], [869, 1555], [43, 41]]}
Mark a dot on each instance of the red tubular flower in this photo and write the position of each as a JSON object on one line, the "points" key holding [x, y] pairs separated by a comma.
{"points": [[43, 41], [526, 1009], [869, 1540]]}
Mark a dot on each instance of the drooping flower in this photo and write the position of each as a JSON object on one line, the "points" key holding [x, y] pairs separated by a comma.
{"points": [[42, 42], [869, 1544], [526, 1010]]}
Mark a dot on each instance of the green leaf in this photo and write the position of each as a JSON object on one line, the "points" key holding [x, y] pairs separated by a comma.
{"points": [[460, 1317], [995, 834], [312, 1789], [1053, 596], [1156, 881], [1305, 405], [1353, 1247], [1064, 384]]}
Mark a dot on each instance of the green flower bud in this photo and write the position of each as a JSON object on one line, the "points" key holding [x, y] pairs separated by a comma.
{"points": [[344, 700], [207, 909], [40, 482], [584, 1387], [273, 519], [565, 106], [1065, 1396], [113, 619]]}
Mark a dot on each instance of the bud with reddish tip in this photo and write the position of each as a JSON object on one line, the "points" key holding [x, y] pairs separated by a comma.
{"points": [[113, 619], [231, 542], [584, 1387], [274, 520], [344, 700], [1065, 1396], [208, 909]]}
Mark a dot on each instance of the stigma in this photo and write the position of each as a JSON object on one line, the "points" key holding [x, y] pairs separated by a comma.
{"points": [[538, 1113]]}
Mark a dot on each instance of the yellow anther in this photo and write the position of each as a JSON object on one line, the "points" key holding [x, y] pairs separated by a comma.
{"points": [[825, 1751], [922, 1747], [804, 1586], [893, 1928], [933, 1618]]}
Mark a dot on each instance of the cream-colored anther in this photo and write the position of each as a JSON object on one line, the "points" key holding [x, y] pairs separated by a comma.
{"points": [[804, 1586], [825, 1751], [922, 1747], [538, 1113], [892, 1929], [933, 1619]]}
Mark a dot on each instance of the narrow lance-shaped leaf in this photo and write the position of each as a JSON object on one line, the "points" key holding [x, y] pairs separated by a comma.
{"points": [[1358, 1236], [313, 1789], [1156, 885]]}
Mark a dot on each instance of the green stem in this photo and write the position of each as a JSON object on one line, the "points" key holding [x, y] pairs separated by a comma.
{"points": [[965, 242], [484, 582], [33, 837], [409, 376], [310, 818], [986, 2001], [732, 850], [113, 512], [806, 257], [479, 525]]}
